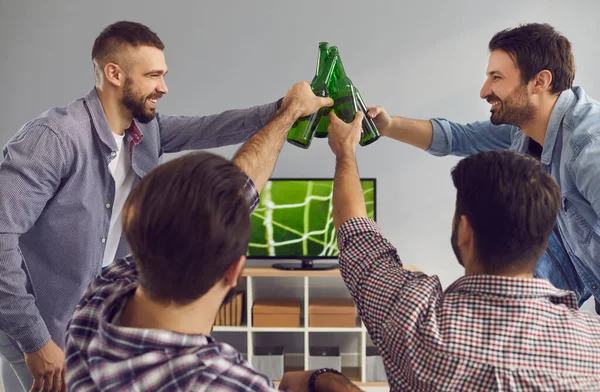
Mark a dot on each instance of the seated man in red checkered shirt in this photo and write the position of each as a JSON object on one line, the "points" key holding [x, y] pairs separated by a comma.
{"points": [[496, 328], [144, 324]]}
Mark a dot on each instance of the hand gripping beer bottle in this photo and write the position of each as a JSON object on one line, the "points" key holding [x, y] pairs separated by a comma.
{"points": [[369, 133], [347, 101], [302, 131]]}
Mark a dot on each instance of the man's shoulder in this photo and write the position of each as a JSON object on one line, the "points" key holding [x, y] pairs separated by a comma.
{"points": [[584, 117], [113, 280], [113, 284], [62, 120], [211, 365]]}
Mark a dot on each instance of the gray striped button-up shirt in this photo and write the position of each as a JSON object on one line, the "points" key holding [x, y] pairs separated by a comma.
{"points": [[56, 194]]}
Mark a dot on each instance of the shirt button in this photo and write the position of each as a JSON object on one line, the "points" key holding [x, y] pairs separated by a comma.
{"points": [[113, 154], [594, 287], [103, 240], [107, 205]]}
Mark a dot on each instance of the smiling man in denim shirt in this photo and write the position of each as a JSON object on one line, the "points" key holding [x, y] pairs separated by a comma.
{"points": [[534, 109]]}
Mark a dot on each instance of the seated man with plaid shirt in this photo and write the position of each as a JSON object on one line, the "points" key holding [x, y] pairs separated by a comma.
{"points": [[497, 327], [144, 324]]}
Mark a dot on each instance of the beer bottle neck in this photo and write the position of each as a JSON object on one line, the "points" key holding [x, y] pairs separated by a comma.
{"points": [[320, 83], [340, 74], [322, 58]]}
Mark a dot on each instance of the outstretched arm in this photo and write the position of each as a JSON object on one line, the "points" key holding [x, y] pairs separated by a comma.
{"points": [[257, 157]]}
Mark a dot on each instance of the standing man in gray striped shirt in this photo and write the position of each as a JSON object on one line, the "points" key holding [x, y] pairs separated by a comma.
{"points": [[64, 179]]}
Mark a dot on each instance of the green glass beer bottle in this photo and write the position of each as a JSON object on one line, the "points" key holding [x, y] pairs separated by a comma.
{"points": [[321, 59], [302, 131], [321, 130], [341, 91], [346, 105], [369, 133]]}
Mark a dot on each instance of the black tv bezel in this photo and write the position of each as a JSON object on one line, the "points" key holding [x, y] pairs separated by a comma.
{"points": [[310, 258]]}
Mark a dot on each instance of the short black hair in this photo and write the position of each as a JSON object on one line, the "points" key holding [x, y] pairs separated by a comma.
{"points": [[536, 47], [114, 36], [510, 202]]}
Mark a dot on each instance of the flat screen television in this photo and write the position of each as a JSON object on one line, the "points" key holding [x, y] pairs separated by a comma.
{"points": [[294, 220]]}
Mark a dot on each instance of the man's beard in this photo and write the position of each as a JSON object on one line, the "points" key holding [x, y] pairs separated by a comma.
{"points": [[516, 109], [136, 103], [454, 241]]}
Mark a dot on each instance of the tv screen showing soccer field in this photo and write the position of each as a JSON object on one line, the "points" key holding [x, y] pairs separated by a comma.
{"points": [[295, 219]]}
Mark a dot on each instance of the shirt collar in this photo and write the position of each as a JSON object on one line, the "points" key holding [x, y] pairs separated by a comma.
{"points": [[563, 103], [100, 123], [115, 336], [512, 288]]}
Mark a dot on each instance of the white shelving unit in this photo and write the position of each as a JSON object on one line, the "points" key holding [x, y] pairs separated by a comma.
{"points": [[357, 372]]}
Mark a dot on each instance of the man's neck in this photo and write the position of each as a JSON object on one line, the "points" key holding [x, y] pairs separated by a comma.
{"points": [[472, 268], [119, 118], [528, 275], [538, 126], [195, 318]]}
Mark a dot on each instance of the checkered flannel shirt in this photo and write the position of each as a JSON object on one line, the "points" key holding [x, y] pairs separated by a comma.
{"points": [[103, 356], [489, 333]]}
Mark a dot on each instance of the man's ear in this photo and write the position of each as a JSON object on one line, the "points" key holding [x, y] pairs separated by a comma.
{"points": [[465, 232], [233, 273], [114, 74], [542, 81]]}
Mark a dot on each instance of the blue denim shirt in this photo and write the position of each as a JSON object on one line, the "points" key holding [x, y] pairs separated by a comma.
{"points": [[56, 195], [571, 154]]}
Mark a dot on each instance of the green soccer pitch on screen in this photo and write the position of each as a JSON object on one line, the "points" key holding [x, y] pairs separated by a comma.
{"points": [[295, 219]]}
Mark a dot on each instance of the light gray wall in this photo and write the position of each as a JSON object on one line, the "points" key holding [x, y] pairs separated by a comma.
{"points": [[420, 59]]}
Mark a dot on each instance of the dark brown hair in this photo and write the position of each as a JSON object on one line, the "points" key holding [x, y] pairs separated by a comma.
{"points": [[511, 205], [536, 47], [187, 221], [113, 37]]}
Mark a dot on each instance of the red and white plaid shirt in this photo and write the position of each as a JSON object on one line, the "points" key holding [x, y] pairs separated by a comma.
{"points": [[490, 333]]}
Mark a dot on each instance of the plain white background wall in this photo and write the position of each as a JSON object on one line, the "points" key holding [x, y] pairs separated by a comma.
{"points": [[419, 59]]}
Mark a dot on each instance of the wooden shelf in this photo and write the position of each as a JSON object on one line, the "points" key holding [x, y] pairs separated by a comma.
{"points": [[334, 329], [224, 328], [353, 373], [274, 272], [275, 329], [353, 362]]}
